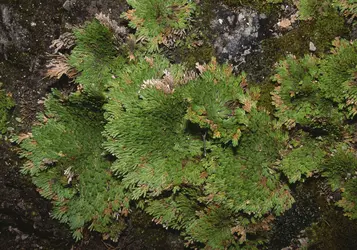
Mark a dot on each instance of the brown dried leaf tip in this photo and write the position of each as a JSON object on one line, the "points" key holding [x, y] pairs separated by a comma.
{"points": [[59, 66]]}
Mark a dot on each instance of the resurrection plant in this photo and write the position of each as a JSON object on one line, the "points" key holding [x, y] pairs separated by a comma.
{"points": [[159, 21], [195, 155], [66, 162], [192, 148]]}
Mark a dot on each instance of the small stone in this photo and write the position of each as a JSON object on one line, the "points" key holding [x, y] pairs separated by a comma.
{"points": [[68, 5], [312, 47], [230, 19], [24, 236]]}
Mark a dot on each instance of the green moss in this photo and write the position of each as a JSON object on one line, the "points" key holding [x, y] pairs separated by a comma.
{"points": [[320, 31], [266, 6], [157, 20], [313, 8], [197, 46], [327, 28], [265, 98], [189, 56], [332, 231], [6, 103]]}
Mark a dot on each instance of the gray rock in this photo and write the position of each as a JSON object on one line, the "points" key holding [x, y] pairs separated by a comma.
{"points": [[11, 32], [236, 33], [69, 4], [312, 47]]}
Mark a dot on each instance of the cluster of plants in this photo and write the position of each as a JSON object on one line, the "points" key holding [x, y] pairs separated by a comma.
{"points": [[348, 7], [317, 97], [313, 8], [190, 147], [159, 21]]}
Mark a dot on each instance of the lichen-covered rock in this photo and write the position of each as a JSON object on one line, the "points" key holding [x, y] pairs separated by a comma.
{"points": [[236, 33]]}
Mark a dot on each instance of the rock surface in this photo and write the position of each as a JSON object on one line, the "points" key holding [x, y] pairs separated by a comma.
{"points": [[236, 33]]}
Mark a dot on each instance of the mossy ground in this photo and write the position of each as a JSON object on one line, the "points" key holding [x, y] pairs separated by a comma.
{"points": [[262, 6], [197, 46], [265, 99], [332, 230], [188, 52], [6, 104], [320, 31]]}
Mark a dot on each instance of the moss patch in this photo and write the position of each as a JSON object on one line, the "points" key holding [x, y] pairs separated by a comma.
{"points": [[320, 31], [6, 104], [265, 99], [197, 46], [266, 6], [332, 230], [189, 56]]}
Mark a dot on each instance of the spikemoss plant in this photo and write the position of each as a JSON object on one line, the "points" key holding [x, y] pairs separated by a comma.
{"points": [[191, 148], [298, 97], [312, 91], [97, 54], [319, 97], [302, 158], [195, 154], [159, 21], [67, 164], [338, 75], [347, 7], [341, 171]]}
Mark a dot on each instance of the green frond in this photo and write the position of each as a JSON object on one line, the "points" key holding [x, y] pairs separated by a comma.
{"points": [[95, 56], [195, 147], [347, 7], [157, 20], [341, 171], [65, 160], [299, 98], [338, 75], [303, 159]]}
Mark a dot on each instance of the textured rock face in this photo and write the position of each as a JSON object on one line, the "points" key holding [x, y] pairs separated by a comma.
{"points": [[236, 33], [11, 33]]}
